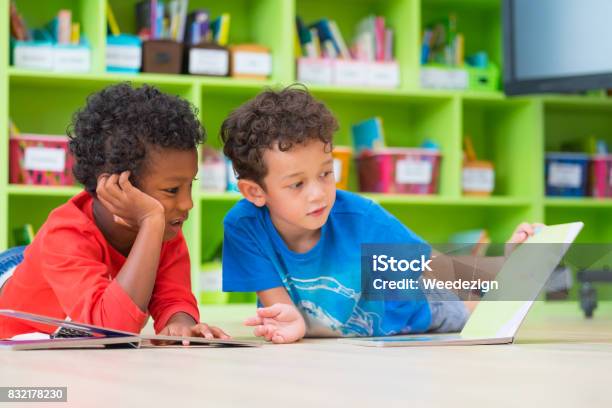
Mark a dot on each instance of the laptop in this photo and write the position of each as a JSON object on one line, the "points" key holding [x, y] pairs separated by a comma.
{"points": [[497, 321]]}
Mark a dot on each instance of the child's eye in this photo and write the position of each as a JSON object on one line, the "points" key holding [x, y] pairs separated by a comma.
{"points": [[327, 173], [172, 190], [296, 185]]}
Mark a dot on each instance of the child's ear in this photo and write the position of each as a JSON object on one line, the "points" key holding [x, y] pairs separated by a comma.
{"points": [[252, 192]]}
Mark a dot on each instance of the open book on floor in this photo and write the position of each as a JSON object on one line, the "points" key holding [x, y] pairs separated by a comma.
{"points": [[497, 321], [80, 335]]}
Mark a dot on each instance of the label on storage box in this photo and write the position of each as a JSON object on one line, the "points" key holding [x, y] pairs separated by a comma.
{"points": [[123, 56], [350, 73], [383, 74], [409, 171], [44, 159], [437, 78], [33, 57], [478, 179], [565, 175], [253, 63], [204, 61], [338, 170], [72, 59], [315, 71]]}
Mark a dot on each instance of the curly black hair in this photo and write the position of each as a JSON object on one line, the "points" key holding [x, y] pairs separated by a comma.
{"points": [[285, 118], [119, 124]]}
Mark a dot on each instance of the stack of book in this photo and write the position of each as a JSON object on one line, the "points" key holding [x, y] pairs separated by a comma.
{"points": [[323, 39], [442, 44], [57, 46], [160, 20], [325, 58]]}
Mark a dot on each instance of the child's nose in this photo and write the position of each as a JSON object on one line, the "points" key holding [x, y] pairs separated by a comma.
{"points": [[316, 192], [185, 203]]}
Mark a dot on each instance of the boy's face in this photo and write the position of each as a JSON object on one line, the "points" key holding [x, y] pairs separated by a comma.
{"points": [[300, 188], [168, 176]]}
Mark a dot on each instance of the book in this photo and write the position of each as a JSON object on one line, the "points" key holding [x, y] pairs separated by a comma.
{"points": [[19, 30], [71, 334], [379, 35], [388, 45], [339, 40], [75, 34], [315, 42], [368, 135], [64, 26], [143, 19], [197, 26], [325, 34]]}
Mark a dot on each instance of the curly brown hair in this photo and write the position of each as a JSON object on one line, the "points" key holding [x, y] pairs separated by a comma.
{"points": [[285, 118], [118, 126]]}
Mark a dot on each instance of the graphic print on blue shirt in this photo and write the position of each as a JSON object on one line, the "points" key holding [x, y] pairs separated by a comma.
{"points": [[325, 282]]}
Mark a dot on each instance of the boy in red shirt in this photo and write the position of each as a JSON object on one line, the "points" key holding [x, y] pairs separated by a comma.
{"points": [[115, 252]]}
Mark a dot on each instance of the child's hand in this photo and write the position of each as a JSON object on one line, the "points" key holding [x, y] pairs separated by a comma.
{"points": [[279, 323], [129, 206], [184, 329], [520, 235]]}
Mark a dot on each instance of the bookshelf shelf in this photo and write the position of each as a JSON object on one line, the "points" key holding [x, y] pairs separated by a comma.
{"points": [[513, 133], [42, 191], [582, 203]]}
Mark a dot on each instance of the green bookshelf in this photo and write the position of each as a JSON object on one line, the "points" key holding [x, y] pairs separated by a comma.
{"points": [[513, 133]]}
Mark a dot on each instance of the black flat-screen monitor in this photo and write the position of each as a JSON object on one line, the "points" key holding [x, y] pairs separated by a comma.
{"points": [[557, 45]]}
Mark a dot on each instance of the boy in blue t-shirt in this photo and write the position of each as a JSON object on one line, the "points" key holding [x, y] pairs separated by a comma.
{"points": [[296, 241]]}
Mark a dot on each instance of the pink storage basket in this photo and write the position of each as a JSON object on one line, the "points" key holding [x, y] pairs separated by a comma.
{"points": [[40, 160], [399, 170], [601, 175]]}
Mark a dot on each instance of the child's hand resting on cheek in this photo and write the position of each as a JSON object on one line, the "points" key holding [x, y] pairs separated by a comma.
{"points": [[520, 235], [279, 323], [129, 206]]}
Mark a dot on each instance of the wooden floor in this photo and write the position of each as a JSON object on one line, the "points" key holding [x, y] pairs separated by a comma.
{"points": [[560, 360]]}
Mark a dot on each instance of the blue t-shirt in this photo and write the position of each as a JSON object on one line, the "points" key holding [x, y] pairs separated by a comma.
{"points": [[325, 282]]}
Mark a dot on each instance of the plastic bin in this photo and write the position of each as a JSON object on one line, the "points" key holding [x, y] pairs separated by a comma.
{"points": [[478, 178], [162, 56], [40, 160], [399, 170], [342, 164], [601, 173], [566, 174]]}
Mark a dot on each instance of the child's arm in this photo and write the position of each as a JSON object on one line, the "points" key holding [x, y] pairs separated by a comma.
{"points": [[132, 207], [278, 321]]}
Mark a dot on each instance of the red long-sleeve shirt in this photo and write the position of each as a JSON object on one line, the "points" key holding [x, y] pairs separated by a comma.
{"points": [[69, 270]]}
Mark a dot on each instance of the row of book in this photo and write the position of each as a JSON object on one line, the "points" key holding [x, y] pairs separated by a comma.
{"points": [[60, 30], [442, 44], [373, 40], [157, 20]]}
